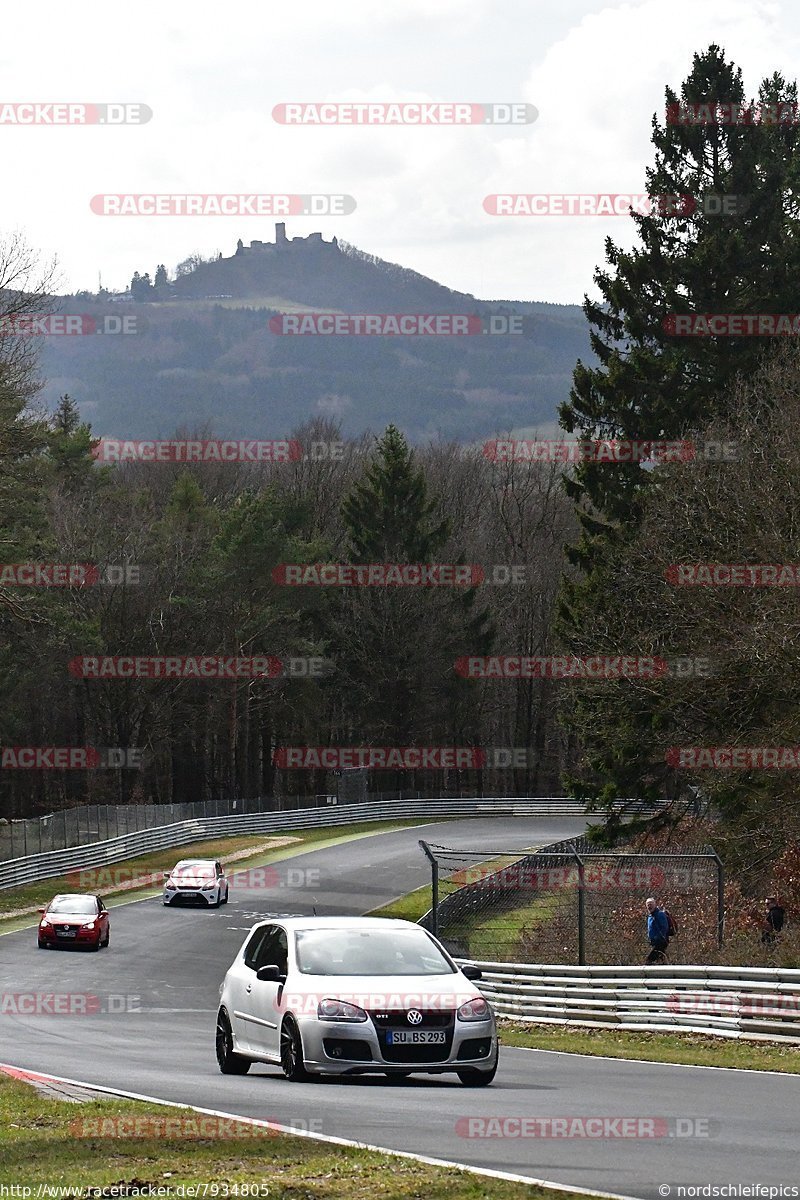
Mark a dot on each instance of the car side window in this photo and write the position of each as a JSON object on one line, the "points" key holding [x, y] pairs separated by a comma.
{"points": [[274, 951], [252, 952]]}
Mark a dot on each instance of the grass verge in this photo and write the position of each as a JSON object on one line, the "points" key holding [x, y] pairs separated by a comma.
{"points": [[39, 1145], [689, 1049], [33, 895]]}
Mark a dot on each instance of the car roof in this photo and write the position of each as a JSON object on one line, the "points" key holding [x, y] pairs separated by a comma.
{"points": [[74, 896], [197, 862], [344, 922]]}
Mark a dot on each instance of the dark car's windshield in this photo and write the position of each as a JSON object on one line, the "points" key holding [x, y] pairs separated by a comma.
{"points": [[82, 906], [369, 952]]}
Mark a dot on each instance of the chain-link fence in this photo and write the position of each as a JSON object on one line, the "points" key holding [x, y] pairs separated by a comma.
{"points": [[570, 903], [97, 822]]}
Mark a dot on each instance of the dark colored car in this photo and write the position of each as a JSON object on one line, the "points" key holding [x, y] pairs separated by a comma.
{"points": [[73, 920]]}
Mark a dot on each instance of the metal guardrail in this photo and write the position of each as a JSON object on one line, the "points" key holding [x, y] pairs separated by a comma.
{"points": [[35, 867], [732, 1001]]}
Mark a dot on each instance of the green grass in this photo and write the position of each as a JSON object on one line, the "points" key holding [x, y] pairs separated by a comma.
{"points": [[41, 1143], [38, 894], [692, 1049], [410, 907]]}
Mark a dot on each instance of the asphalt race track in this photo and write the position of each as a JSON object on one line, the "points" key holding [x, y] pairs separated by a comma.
{"points": [[167, 964]]}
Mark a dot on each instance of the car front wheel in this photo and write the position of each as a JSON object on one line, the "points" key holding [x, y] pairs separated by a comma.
{"points": [[473, 1077], [292, 1062], [230, 1063]]}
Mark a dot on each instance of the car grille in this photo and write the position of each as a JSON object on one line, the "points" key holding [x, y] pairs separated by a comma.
{"points": [[431, 1019]]}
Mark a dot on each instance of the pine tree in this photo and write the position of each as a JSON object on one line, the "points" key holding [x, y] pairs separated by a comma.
{"points": [[388, 515], [650, 384]]}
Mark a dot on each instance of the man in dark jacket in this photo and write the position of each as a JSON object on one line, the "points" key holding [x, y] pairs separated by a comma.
{"points": [[657, 931], [773, 920]]}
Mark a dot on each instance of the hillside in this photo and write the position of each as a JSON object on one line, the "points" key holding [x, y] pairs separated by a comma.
{"points": [[204, 353]]}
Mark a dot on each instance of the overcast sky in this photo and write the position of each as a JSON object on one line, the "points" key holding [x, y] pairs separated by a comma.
{"points": [[212, 74]]}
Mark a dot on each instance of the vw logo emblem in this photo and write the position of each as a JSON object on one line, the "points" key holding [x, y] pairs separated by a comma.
{"points": [[414, 1017]]}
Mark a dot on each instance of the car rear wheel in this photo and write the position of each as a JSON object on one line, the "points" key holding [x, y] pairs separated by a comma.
{"points": [[292, 1062], [473, 1077], [230, 1063], [108, 939]]}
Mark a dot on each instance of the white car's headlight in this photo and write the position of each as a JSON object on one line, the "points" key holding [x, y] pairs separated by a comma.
{"points": [[339, 1010], [474, 1010]]}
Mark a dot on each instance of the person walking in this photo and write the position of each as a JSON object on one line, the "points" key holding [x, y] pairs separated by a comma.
{"points": [[773, 921], [657, 932]]}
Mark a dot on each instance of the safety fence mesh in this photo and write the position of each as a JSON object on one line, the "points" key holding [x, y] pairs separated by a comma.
{"points": [[503, 907]]}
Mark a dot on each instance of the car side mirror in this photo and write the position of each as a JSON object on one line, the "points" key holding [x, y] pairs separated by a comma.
{"points": [[470, 972], [270, 974], [41, 910], [167, 874]]}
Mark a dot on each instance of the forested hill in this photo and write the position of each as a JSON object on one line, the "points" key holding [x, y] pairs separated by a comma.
{"points": [[204, 353]]}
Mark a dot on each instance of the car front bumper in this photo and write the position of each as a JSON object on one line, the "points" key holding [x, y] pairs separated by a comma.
{"points": [[191, 896], [345, 1048]]}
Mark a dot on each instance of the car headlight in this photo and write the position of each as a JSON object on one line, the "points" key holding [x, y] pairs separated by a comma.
{"points": [[474, 1010], [207, 887], [45, 924], [89, 925], [339, 1010]]}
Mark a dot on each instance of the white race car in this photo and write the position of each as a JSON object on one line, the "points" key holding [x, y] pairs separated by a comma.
{"points": [[353, 995], [196, 881]]}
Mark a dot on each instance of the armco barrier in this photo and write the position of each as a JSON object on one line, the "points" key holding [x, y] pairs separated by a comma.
{"points": [[728, 1001], [34, 867]]}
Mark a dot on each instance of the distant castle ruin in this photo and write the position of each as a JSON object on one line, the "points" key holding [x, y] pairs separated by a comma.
{"points": [[282, 242]]}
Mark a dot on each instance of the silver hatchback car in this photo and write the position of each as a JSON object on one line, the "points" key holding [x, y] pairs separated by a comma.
{"points": [[345, 996]]}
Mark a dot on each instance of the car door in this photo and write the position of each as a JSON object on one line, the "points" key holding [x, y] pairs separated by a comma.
{"points": [[264, 997], [102, 913], [239, 990], [222, 883]]}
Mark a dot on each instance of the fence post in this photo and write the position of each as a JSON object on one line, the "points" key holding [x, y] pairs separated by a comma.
{"points": [[581, 909], [434, 888], [720, 901]]}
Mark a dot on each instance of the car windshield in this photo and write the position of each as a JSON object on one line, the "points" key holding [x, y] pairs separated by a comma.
{"points": [[196, 870], [369, 952], [80, 905]]}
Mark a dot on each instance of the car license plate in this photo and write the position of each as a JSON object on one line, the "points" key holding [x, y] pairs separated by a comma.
{"points": [[415, 1037], [66, 933]]}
